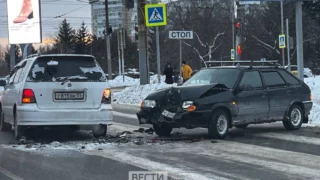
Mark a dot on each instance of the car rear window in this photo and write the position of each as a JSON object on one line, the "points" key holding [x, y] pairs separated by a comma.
{"points": [[290, 79], [73, 68]]}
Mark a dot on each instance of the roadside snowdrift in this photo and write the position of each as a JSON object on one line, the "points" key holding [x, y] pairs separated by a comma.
{"points": [[135, 94]]}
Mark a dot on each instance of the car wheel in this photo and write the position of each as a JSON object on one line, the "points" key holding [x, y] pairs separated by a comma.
{"points": [[242, 126], [219, 125], [18, 130], [162, 130], [3, 125], [99, 130], [295, 118]]}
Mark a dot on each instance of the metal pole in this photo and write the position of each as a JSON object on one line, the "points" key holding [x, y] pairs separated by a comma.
{"points": [[282, 31], [12, 56], [142, 44], [119, 51], [299, 39], [180, 60], [108, 39], [122, 46], [288, 44], [232, 19], [158, 55]]}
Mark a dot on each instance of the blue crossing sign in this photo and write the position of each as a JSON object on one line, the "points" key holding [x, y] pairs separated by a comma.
{"points": [[156, 15]]}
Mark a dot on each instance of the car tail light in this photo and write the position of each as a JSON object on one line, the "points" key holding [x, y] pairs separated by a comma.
{"points": [[28, 96], [310, 97], [106, 96]]}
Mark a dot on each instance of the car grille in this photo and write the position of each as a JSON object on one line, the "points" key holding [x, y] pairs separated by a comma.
{"points": [[172, 100]]}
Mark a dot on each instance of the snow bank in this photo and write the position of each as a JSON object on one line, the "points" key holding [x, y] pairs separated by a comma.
{"points": [[314, 84], [135, 94], [128, 81]]}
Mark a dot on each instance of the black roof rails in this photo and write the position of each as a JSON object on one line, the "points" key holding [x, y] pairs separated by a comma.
{"points": [[235, 63]]}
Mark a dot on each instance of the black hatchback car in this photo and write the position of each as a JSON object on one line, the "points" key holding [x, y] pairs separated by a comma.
{"points": [[219, 98]]}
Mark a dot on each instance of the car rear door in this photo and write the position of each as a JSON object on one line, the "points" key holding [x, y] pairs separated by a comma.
{"points": [[277, 93], [293, 85], [76, 82], [252, 100]]}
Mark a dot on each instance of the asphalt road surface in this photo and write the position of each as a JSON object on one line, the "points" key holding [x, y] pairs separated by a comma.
{"points": [[258, 152]]}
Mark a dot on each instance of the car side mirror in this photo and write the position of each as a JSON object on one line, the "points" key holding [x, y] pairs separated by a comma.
{"points": [[3, 83]]}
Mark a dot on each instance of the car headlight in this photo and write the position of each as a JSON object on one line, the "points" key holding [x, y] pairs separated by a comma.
{"points": [[186, 104], [148, 103]]}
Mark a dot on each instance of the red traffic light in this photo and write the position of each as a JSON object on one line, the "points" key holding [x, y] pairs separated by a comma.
{"points": [[239, 50], [238, 25]]}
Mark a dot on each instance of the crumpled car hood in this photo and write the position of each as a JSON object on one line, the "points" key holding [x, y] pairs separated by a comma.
{"points": [[190, 93]]}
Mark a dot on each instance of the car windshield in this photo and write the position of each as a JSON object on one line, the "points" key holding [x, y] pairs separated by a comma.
{"points": [[73, 68], [225, 76]]}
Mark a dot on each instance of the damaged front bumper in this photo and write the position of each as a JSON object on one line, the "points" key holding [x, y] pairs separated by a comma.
{"points": [[180, 119]]}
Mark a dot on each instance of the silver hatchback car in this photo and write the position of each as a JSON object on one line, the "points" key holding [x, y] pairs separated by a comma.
{"points": [[55, 90]]}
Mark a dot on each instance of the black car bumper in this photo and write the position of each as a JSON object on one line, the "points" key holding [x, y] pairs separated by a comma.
{"points": [[180, 119]]}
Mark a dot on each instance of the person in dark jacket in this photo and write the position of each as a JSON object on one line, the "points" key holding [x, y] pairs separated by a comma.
{"points": [[168, 72]]}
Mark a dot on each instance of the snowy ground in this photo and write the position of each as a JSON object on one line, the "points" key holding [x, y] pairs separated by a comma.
{"points": [[314, 84], [135, 94]]}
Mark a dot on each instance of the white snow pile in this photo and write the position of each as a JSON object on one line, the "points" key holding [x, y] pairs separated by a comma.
{"points": [[129, 81], [135, 94], [121, 81], [314, 84]]}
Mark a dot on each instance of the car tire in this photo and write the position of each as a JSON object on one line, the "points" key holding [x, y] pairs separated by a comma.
{"points": [[99, 130], [162, 130], [219, 124], [295, 118], [19, 131], [242, 126], [3, 125]]}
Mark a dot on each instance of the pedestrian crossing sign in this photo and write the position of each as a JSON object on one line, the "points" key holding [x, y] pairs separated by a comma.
{"points": [[156, 15]]}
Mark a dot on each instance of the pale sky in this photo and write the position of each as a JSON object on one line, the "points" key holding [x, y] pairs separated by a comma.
{"points": [[74, 11]]}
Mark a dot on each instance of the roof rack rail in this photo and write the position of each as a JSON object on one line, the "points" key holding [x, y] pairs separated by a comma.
{"points": [[271, 62], [32, 55]]}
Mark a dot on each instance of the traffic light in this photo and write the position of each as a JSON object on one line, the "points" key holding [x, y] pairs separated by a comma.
{"points": [[129, 4], [238, 28], [239, 50]]}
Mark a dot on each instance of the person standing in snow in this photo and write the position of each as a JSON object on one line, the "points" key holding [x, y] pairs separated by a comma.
{"points": [[186, 71], [168, 72]]}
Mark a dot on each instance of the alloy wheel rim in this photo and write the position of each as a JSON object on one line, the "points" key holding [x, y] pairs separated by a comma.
{"points": [[295, 117], [222, 124]]}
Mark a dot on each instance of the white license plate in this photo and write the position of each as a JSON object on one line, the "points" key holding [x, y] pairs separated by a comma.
{"points": [[168, 114], [69, 95]]}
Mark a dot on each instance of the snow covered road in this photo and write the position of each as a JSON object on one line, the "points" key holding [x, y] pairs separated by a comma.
{"points": [[259, 152]]}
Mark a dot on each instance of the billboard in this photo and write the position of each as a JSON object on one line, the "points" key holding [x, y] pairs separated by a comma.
{"points": [[24, 21]]}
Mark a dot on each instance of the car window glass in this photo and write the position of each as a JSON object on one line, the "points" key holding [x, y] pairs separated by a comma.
{"points": [[72, 68], [17, 76], [273, 79], [251, 80], [224, 76], [291, 80]]}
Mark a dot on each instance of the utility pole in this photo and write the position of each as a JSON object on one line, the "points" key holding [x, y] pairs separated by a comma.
{"points": [[143, 66], [107, 33], [158, 49], [233, 5], [239, 31], [299, 39], [282, 32], [12, 56], [288, 44]]}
